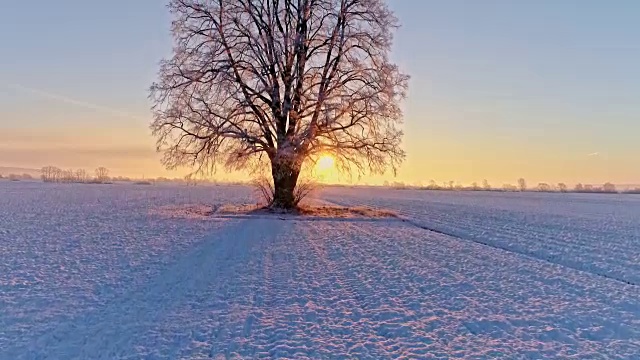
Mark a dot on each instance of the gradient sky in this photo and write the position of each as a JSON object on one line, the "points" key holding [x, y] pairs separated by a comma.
{"points": [[546, 90]]}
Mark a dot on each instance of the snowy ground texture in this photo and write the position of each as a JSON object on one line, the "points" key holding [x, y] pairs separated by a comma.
{"points": [[90, 271]]}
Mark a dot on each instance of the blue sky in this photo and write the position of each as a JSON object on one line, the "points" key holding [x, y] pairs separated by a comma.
{"points": [[547, 90]]}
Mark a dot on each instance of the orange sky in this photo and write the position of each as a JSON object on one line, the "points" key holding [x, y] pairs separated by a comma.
{"points": [[129, 151], [494, 93]]}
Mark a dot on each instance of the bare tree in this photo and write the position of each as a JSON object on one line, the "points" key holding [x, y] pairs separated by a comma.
{"points": [[51, 174], [609, 188], [562, 187], [485, 185], [81, 175], [58, 174], [47, 173], [68, 176], [102, 174], [522, 184], [283, 81], [191, 180], [544, 187]]}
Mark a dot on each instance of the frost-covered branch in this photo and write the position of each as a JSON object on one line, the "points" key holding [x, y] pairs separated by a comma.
{"points": [[287, 79]]}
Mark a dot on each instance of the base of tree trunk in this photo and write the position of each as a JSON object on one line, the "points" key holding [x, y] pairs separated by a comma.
{"points": [[284, 211], [285, 179], [284, 200]]}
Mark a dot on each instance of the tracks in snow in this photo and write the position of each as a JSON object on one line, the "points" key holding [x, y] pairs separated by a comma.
{"points": [[522, 253], [581, 265], [338, 289]]}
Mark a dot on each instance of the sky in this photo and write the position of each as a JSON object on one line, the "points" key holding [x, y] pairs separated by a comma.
{"points": [[546, 90]]}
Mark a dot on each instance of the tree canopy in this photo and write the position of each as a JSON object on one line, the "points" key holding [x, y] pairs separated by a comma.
{"points": [[283, 80]]}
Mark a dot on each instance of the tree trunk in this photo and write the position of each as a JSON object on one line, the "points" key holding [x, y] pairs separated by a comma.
{"points": [[285, 177]]}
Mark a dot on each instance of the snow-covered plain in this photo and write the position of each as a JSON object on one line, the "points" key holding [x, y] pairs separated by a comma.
{"points": [[595, 233], [94, 272]]}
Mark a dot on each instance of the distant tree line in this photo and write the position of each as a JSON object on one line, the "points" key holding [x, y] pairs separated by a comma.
{"points": [[53, 174], [607, 188], [562, 187], [17, 177]]}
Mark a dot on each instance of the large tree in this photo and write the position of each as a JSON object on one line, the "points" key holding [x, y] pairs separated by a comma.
{"points": [[283, 81]]}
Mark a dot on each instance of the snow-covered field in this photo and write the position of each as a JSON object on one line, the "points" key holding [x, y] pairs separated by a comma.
{"points": [[93, 272], [595, 233]]}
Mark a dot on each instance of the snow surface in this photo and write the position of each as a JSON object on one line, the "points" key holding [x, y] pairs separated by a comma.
{"points": [[596, 233], [91, 271]]}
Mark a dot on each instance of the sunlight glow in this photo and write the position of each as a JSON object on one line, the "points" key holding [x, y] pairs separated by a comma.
{"points": [[325, 170], [325, 163]]}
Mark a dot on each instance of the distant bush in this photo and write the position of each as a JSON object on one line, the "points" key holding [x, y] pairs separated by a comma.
{"points": [[609, 188], [265, 190], [544, 187], [143, 183], [16, 177]]}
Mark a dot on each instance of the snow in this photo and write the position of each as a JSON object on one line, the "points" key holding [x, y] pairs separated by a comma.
{"points": [[311, 209], [92, 271], [595, 233]]}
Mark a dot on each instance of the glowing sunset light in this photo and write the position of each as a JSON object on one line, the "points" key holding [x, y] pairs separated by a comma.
{"points": [[325, 163], [325, 170]]}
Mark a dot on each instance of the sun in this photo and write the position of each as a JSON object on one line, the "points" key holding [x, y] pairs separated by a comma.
{"points": [[325, 170], [325, 163]]}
